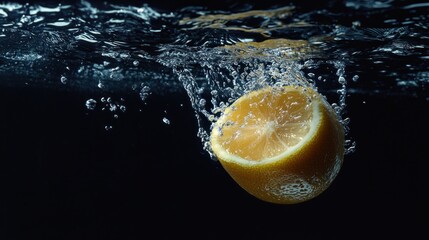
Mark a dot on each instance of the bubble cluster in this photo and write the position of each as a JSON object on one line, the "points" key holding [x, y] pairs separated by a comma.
{"points": [[144, 92], [292, 187]]}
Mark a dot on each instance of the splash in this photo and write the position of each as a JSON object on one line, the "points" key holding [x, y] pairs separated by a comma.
{"points": [[216, 56], [215, 77]]}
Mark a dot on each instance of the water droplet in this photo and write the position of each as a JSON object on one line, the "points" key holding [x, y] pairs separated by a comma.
{"points": [[166, 121], [355, 78], [123, 108], [311, 75], [342, 80], [108, 127], [136, 63], [91, 104]]}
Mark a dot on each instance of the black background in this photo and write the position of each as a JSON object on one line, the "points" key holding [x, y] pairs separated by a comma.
{"points": [[63, 176]]}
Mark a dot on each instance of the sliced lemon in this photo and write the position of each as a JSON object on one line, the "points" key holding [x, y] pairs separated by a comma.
{"points": [[281, 144]]}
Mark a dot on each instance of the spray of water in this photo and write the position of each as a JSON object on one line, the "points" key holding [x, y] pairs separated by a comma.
{"points": [[215, 78], [215, 56]]}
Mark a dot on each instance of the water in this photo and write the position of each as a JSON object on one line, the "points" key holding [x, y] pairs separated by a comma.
{"points": [[118, 46], [113, 53], [215, 55]]}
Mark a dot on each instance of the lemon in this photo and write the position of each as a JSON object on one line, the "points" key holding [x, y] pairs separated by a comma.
{"points": [[281, 144]]}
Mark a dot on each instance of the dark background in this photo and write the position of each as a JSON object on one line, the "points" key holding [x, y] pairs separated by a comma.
{"points": [[63, 176]]}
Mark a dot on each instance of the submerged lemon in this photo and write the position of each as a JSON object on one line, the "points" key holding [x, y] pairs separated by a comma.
{"points": [[281, 144]]}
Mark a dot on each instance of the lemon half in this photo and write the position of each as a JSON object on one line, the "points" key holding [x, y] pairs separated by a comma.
{"points": [[281, 144]]}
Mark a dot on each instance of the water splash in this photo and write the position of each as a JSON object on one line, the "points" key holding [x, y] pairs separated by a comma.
{"points": [[215, 56], [215, 77]]}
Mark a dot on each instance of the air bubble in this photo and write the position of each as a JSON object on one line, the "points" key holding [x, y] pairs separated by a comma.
{"points": [[144, 92], [212, 118], [166, 121], [91, 104], [202, 102], [63, 80], [112, 107], [350, 146]]}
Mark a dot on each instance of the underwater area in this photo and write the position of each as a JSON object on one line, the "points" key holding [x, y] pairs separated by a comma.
{"points": [[107, 108]]}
